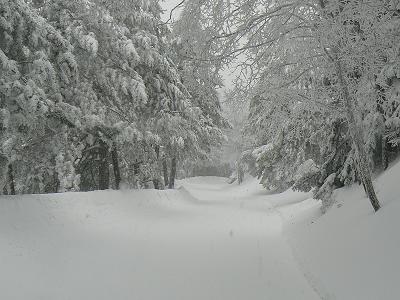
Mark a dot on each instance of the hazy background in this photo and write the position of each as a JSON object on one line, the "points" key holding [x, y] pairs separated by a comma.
{"points": [[168, 5]]}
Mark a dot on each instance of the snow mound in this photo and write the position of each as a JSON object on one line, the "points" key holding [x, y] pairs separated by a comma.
{"points": [[205, 240], [351, 252]]}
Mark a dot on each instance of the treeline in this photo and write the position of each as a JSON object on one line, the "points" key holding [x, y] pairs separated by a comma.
{"points": [[328, 111], [95, 94], [323, 81]]}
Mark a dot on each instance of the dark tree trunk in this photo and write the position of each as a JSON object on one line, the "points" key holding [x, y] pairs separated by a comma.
{"points": [[11, 179], [173, 174], [157, 181], [136, 168], [357, 136], [117, 173], [136, 171], [156, 184], [56, 182], [104, 172], [385, 159], [240, 173], [165, 171], [3, 171]]}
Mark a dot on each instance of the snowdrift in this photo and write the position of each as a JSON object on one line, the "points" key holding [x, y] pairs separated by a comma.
{"points": [[351, 252], [96, 245], [205, 240]]}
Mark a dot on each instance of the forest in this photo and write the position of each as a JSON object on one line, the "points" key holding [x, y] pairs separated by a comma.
{"points": [[202, 106], [99, 93], [94, 93]]}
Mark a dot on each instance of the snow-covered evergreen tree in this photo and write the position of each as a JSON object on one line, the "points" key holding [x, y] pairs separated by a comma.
{"points": [[36, 65], [90, 93]]}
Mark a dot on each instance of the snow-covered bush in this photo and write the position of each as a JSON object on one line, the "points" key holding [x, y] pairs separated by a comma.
{"points": [[307, 176]]}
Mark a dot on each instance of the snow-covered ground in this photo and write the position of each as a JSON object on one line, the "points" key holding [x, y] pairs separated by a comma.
{"points": [[205, 240], [351, 252]]}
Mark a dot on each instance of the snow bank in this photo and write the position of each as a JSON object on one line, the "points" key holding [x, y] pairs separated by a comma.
{"points": [[97, 245], [205, 240], [350, 252]]}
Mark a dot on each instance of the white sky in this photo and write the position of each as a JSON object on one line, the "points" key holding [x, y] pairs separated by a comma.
{"points": [[168, 5]]}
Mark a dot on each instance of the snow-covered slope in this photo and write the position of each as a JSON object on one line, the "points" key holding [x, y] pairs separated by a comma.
{"points": [[206, 240], [351, 252], [98, 245]]}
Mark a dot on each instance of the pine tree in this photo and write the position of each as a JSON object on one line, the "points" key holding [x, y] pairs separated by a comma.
{"points": [[36, 63]]}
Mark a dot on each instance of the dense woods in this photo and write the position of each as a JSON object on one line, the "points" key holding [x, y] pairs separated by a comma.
{"points": [[321, 81], [94, 94]]}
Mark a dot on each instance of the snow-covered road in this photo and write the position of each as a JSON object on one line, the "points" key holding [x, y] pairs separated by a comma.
{"points": [[206, 241]]}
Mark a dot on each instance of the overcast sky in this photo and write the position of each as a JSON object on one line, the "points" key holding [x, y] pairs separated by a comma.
{"points": [[168, 5]]}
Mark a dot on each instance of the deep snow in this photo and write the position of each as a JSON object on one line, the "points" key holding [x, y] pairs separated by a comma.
{"points": [[351, 252], [205, 240]]}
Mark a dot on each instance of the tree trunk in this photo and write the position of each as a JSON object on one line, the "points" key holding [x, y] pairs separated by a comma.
{"points": [[165, 171], [385, 159], [173, 174], [156, 183], [56, 182], [136, 168], [3, 171], [357, 136], [117, 173], [11, 179], [240, 172], [104, 172]]}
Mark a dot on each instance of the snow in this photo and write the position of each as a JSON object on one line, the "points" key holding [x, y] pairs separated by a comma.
{"points": [[306, 168], [260, 151], [205, 240], [350, 252]]}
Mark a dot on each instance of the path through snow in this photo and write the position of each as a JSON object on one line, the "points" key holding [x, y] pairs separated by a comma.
{"points": [[206, 241]]}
